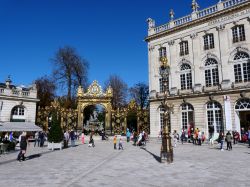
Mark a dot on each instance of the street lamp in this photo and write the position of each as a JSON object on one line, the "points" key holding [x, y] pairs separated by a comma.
{"points": [[166, 147]]}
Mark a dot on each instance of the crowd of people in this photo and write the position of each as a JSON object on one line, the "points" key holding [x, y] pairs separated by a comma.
{"points": [[194, 136], [197, 137]]}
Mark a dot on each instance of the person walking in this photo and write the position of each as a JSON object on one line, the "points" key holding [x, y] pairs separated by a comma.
{"points": [[199, 137], [128, 134], [229, 139], [120, 144], [91, 141], [37, 139], [114, 141], [82, 137], [41, 137], [66, 139], [221, 140], [182, 136], [72, 138], [23, 146], [175, 136], [11, 137], [236, 137]]}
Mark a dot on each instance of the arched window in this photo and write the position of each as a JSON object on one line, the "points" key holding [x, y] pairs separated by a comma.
{"points": [[214, 117], [241, 67], [186, 77], [18, 113], [187, 115], [243, 104], [211, 73]]}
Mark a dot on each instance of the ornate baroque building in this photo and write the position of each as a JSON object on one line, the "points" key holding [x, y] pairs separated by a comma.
{"points": [[208, 53], [17, 106]]}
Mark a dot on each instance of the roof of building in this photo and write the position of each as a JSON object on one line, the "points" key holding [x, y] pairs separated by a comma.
{"points": [[199, 15], [18, 127]]}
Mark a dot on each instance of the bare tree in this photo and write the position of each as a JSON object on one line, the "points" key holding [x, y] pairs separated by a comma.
{"points": [[45, 90], [119, 91], [140, 93], [70, 70]]}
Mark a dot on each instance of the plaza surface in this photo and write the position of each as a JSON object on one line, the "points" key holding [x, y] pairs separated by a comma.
{"points": [[133, 166]]}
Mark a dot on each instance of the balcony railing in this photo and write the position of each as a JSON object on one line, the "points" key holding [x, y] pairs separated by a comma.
{"points": [[230, 3], [183, 20], [199, 14], [17, 93], [207, 11], [162, 28], [25, 93]]}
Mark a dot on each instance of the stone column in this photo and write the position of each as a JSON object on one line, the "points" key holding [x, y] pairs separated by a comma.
{"points": [[108, 121], [79, 125]]}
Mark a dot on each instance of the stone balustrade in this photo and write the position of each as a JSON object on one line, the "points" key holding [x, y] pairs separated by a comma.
{"points": [[196, 15], [18, 93], [182, 20]]}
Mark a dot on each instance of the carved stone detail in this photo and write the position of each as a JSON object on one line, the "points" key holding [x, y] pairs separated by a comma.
{"points": [[171, 42], [220, 27], [193, 36]]}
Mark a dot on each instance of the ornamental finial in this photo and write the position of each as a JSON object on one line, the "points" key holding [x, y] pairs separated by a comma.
{"points": [[80, 91], [171, 13], [151, 23]]}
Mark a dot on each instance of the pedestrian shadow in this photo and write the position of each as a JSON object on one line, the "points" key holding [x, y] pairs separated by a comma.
{"points": [[157, 158], [33, 156]]}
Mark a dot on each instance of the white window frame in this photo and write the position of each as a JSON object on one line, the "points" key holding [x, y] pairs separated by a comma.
{"points": [[162, 52], [211, 66], [184, 48], [208, 41], [19, 113], [238, 33], [215, 110], [186, 74], [185, 114], [241, 59]]}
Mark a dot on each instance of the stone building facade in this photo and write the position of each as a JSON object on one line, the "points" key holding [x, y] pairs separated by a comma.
{"points": [[17, 103], [208, 53]]}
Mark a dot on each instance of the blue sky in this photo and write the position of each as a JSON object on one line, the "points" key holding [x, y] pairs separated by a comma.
{"points": [[109, 34]]}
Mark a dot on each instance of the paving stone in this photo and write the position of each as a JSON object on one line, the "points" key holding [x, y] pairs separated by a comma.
{"points": [[133, 166]]}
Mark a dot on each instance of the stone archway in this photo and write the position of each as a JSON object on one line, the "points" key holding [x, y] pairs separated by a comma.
{"points": [[94, 96], [242, 114]]}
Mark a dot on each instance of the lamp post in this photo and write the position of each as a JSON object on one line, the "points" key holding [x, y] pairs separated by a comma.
{"points": [[166, 147]]}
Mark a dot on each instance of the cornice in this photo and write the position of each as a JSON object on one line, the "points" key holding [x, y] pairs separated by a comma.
{"points": [[204, 94], [14, 98], [198, 21]]}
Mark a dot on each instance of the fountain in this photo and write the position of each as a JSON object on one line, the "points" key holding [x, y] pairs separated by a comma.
{"points": [[93, 124]]}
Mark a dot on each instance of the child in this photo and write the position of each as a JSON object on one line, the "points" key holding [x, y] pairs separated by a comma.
{"points": [[120, 144], [82, 137], [115, 137]]}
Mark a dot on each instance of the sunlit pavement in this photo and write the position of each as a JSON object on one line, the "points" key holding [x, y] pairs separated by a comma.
{"points": [[133, 166]]}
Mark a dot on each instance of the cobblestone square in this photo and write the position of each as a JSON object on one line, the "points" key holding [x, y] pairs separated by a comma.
{"points": [[133, 166]]}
